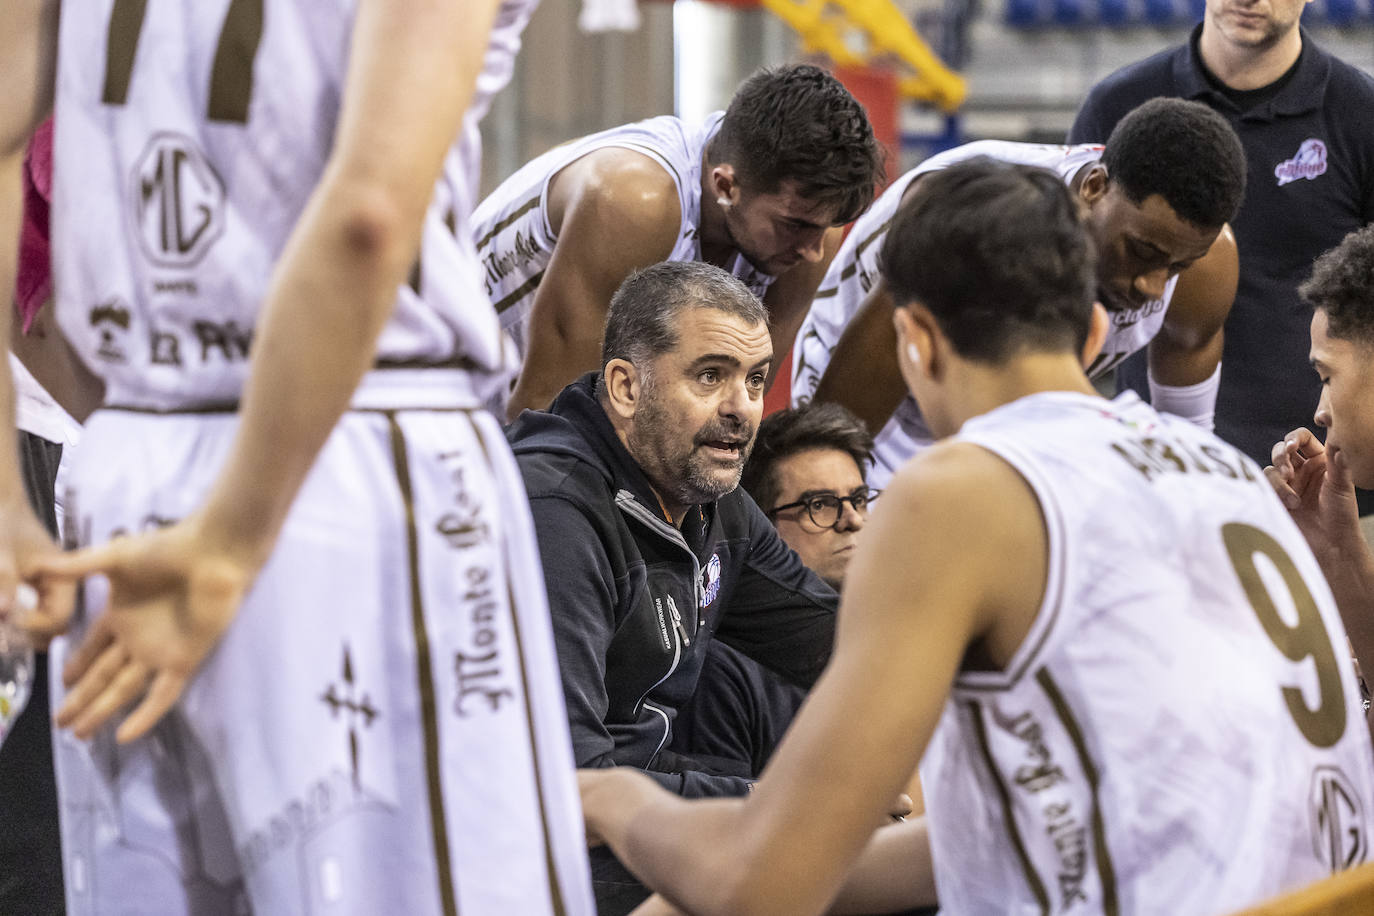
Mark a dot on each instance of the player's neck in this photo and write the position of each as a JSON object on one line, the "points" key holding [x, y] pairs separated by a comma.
{"points": [[984, 387], [1246, 68]]}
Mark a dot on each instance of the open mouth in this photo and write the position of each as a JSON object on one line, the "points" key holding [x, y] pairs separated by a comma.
{"points": [[726, 449]]}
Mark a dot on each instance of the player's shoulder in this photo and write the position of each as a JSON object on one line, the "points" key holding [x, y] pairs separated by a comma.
{"points": [[622, 185], [960, 481]]}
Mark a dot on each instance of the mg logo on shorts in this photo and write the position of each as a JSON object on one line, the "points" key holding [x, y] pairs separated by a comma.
{"points": [[178, 201], [1338, 832]]}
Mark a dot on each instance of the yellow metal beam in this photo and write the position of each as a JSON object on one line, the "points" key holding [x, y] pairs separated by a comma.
{"points": [[855, 33]]}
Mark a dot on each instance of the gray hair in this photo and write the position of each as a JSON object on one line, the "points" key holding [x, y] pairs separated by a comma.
{"points": [[641, 324]]}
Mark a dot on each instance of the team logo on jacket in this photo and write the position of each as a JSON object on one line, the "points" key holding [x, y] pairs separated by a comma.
{"points": [[710, 581], [1308, 163]]}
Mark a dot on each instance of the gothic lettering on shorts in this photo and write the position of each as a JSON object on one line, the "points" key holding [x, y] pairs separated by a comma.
{"points": [[461, 526], [1070, 838], [478, 667], [164, 348], [111, 319], [866, 278], [1339, 838], [357, 708], [1042, 777], [178, 201], [226, 338], [1040, 772], [324, 802], [501, 264]]}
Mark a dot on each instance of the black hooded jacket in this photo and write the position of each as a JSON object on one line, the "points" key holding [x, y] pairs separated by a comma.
{"points": [[635, 600]]}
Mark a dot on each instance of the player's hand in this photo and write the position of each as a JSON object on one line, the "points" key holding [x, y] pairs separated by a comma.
{"points": [[24, 546], [173, 592], [1314, 483], [102, 679]]}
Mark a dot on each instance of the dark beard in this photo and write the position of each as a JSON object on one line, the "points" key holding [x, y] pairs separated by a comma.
{"points": [[690, 481]]}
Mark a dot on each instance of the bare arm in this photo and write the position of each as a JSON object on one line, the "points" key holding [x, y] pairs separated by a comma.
{"points": [[956, 554], [863, 374], [614, 211], [28, 46], [1187, 349], [789, 298], [412, 69]]}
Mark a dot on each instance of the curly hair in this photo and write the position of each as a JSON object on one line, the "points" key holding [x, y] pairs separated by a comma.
{"points": [[1342, 286], [1183, 151], [798, 123], [798, 429], [999, 254]]}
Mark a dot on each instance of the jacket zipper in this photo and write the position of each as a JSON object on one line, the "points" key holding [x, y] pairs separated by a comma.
{"points": [[632, 507]]}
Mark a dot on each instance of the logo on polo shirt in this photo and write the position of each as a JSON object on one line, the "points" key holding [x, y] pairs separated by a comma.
{"points": [[1308, 163]]}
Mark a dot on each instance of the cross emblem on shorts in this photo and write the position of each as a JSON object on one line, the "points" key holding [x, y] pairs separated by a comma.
{"points": [[346, 700]]}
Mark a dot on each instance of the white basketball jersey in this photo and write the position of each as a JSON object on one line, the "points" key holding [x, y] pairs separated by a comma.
{"points": [[1181, 730], [854, 272], [515, 240], [189, 137]]}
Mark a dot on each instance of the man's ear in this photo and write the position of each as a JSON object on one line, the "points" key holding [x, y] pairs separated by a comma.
{"points": [[917, 346], [724, 184], [623, 387], [1094, 185], [1100, 324]]}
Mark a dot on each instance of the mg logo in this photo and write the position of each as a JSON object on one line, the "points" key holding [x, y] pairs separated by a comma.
{"points": [[178, 201], [1338, 832]]}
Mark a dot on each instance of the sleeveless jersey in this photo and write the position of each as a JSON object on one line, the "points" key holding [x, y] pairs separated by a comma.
{"points": [[854, 272], [1181, 730], [214, 120], [515, 240]]}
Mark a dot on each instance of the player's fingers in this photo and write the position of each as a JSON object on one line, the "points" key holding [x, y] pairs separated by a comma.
{"points": [[1304, 443], [90, 649], [1338, 470], [52, 613], [78, 564], [1282, 490], [161, 695], [1283, 459], [127, 685], [94, 679]]}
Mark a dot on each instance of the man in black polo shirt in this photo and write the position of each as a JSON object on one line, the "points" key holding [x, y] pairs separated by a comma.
{"points": [[1306, 120]]}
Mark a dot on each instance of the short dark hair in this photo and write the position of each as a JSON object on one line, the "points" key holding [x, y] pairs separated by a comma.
{"points": [[641, 323], [1342, 286], [999, 254], [799, 123], [798, 429], [1183, 151]]}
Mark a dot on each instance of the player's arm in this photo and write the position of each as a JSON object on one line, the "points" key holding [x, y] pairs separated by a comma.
{"points": [[28, 46], [789, 298], [863, 374], [412, 69], [954, 555], [615, 211], [1185, 357]]}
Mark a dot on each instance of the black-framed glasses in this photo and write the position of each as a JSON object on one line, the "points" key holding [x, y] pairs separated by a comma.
{"points": [[825, 509]]}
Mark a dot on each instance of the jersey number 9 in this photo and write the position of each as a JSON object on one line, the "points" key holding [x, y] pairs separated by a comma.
{"points": [[1307, 638]]}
